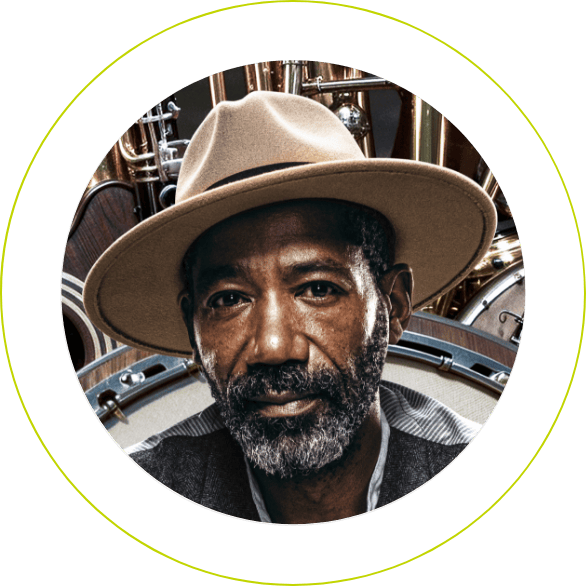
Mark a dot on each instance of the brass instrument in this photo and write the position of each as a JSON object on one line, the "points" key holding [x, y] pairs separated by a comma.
{"points": [[133, 182]]}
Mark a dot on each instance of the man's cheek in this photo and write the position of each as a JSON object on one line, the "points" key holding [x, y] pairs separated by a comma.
{"points": [[206, 350], [208, 360], [350, 328]]}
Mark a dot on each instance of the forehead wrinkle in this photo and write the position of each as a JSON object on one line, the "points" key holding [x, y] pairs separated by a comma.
{"points": [[325, 265], [292, 259]]}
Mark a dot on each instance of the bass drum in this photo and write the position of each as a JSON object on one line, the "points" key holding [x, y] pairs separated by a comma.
{"points": [[159, 391], [498, 308]]}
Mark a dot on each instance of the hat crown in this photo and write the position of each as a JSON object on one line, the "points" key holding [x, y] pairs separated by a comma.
{"points": [[264, 128]]}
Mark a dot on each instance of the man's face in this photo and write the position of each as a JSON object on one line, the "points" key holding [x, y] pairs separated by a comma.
{"points": [[291, 331]]}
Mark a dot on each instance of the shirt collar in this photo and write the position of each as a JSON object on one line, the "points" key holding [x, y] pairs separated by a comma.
{"points": [[373, 487]]}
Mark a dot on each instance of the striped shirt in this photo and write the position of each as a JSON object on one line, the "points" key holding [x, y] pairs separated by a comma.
{"points": [[404, 409]]}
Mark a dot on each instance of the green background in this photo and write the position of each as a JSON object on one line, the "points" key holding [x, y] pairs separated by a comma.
{"points": [[51, 51]]}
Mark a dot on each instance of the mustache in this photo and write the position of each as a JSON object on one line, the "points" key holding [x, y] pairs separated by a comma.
{"points": [[288, 378]]}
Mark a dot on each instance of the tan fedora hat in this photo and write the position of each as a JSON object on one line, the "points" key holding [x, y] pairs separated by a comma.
{"points": [[271, 147]]}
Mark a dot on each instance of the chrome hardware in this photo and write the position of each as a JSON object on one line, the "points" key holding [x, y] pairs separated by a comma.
{"points": [[110, 396], [449, 357], [167, 196], [172, 114], [130, 378], [500, 377], [503, 316], [195, 371], [446, 364], [354, 119], [318, 83], [318, 86], [114, 409], [172, 156], [293, 76], [516, 337]]}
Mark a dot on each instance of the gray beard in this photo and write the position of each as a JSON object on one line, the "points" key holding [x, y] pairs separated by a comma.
{"points": [[301, 445]]}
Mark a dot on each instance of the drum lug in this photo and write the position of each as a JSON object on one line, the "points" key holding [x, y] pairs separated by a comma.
{"points": [[122, 389], [446, 364], [129, 378], [500, 377], [113, 408]]}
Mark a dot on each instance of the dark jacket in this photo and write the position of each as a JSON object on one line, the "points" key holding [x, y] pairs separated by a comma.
{"points": [[199, 459]]}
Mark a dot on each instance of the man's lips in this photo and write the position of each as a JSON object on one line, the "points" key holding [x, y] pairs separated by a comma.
{"points": [[280, 398], [284, 404]]}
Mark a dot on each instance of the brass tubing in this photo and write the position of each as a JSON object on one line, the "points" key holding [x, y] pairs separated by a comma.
{"points": [[263, 76], [217, 89], [112, 168], [250, 76], [258, 77], [129, 157], [442, 145], [159, 164], [426, 132]]}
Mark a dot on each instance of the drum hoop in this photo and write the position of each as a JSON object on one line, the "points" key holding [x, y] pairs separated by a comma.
{"points": [[452, 358], [113, 394], [486, 296]]}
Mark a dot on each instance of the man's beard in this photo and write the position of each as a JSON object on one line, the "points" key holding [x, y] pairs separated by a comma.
{"points": [[300, 445]]}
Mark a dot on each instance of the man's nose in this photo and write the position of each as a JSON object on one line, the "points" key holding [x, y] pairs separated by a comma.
{"points": [[278, 337]]}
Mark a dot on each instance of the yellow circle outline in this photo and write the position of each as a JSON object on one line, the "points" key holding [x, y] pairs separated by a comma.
{"points": [[61, 116]]}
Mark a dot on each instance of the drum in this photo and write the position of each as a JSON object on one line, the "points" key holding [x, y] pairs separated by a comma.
{"points": [[157, 392], [498, 308]]}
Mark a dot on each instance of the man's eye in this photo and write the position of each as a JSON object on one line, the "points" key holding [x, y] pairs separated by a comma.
{"points": [[319, 290], [226, 299]]}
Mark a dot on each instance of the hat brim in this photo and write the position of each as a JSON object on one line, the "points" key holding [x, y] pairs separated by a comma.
{"points": [[444, 224]]}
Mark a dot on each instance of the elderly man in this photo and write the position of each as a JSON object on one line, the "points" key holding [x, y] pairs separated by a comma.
{"points": [[287, 265]]}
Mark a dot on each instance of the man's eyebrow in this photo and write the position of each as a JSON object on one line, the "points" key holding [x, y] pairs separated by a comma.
{"points": [[312, 266], [210, 276]]}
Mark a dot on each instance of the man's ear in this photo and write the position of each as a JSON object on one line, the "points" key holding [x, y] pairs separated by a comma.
{"points": [[397, 289], [187, 311]]}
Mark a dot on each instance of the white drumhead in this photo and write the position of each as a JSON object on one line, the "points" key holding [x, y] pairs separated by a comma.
{"points": [[465, 397], [160, 410]]}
